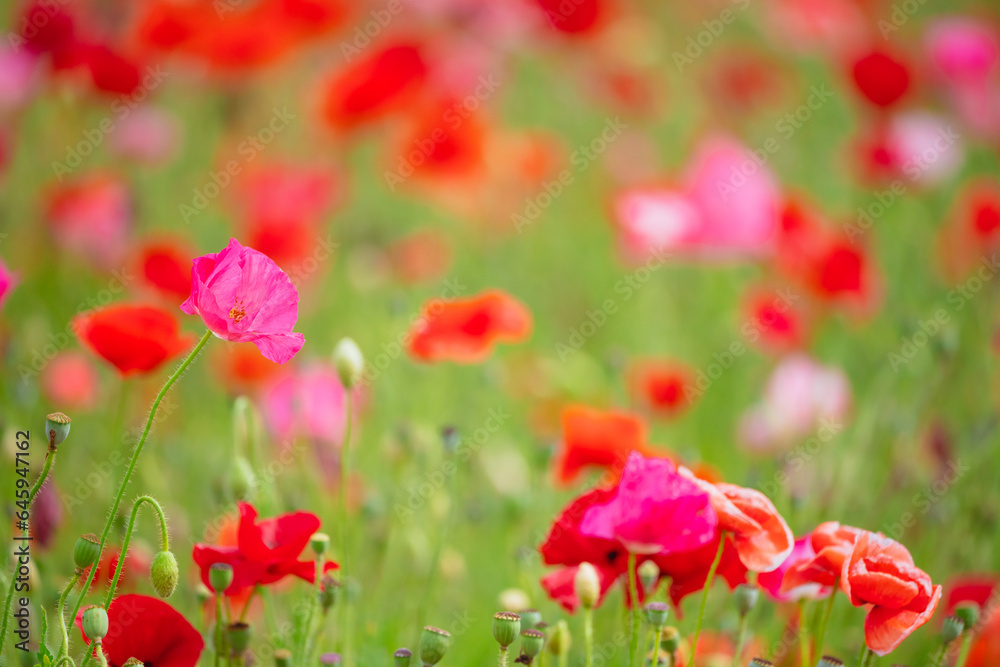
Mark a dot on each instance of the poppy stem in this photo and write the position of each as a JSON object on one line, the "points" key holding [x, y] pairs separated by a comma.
{"points": [[633, 591], [246, 607], [827, 611], [502, 657], [218, 628], [803, 635], [740, 640], [704, 596], [345, 472], [656, 646], [963, 654], [866, 654], [113, 513], [588, 635], [60, 611], [164, 541]]}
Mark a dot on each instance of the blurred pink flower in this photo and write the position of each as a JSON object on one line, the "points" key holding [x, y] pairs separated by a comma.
{"points": [[963, 50], [653, 509], [924, 147], [92, 217], [242, 296], [8, 280], [829, 26], [309, 403], [771, 581], [801, 395], [69, 382], [147, 134], [19, 75]]}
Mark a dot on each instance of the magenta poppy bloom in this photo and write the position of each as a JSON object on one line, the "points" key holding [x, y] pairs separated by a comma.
{"points": [[242, 296], [7, 282], [653, 510], [771, 581]]}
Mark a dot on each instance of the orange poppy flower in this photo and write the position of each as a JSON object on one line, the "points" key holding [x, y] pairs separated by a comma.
{"points": [[133, 339], [832, 544], [661, 385], [880, 572], [465, 330], [595, 438], [762, 538]]}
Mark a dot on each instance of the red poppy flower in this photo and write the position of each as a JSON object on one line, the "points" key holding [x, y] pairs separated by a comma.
{"points": [[134, 339], [149, 630], [762, 538], [832, 544], [465, 330], [445, 140], [880, 572], [265, 552], [980, 589], [166, 266], [384, 81], [661, 385], [594, 438], [973, 230], [881, 77], [577, 17], [138, 560], [772, 320]]}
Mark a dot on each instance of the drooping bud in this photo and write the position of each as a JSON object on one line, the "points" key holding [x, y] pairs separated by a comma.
{"points": [[969, 613], [649, 575], [86, 551], [401, 658], [349, 361], [670, 640], [434, 642], [830, 661], [282, 657], [587, 585], [506, 627], [530, 618], [559, 639], [656, 614], [532, 643], [745, 596], [95, 623], [319, 543], [952, 629], [163, 573], [220, 576], [57, 427], [239, 637], [329, 589]]}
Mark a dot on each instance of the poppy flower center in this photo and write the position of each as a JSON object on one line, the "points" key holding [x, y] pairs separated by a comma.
{"points": [[237, 312]]}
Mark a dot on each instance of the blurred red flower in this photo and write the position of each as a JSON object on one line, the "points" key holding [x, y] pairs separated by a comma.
{"points": [[882, 78], [595, 438], [148, 630], [465, 330], [983, 590], [166, 266], [132, 338], [661, 385], [70, 381], [92, 217], [574, 17]]}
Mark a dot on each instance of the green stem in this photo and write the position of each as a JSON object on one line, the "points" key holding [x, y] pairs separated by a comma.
{"points": [[740, 639], [307, 635], [131, 467], [502, 657], [827, 611], [164, 541], [704, 596], [218, 628], [588, 635], [564, 658], [803, 635], [60, 611], [246, 607], [939, 658], [963, 654], [633, 590], [866, 654], [657, 637], [345, 472], [101, 658]]}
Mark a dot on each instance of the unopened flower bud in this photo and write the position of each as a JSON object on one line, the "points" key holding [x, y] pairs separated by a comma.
{"points": [[532, 643], [239, 637], [201, 593], [133, 662], [401, 658], [969, 613], [559, 638], [220, 576], [649, 575], [952, 629], [57, 427], [506, 627], [86, 551], [587, 585], [745, 596], [319, 543], [163, 573], [514, 599], [328, 592], [670, 640], [830, 661], [95, 623], [282, 657], [656, 614], [349, 361], [434, 642], [530, 618], [242, 480]]}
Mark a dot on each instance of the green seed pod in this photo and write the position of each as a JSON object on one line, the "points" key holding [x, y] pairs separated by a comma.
{"points": [[830, 661], [220, 576], [57, 427], [530, 618], [559, 639], [952, 629], [282, 657], [163, 573], [506, 627], [401, 658], [969, 613], [239, 637], [745, 596], [532, 643], [319, 543], [670, 641], [657, 613], [95, 623], [86, 551], [434, 642]]}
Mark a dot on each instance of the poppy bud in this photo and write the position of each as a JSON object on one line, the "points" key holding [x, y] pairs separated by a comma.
{"points": [[201, 593], [969, 613], [401, 658], [656, 614], [670, 641], [532, 643], [745, 596], [328, 592], [163, 573], [86, 551], [433, 644], [514, 599], [560, 639], [530, 618], [239, 637], [282, 658], [506, 627], [952, 629], [329, 659], [57, 427], [220, 576], [761, 662], [242, 480], [349, 361], [587, 585], [319, 542], [649, 574], [133, 662], [830, 661], [95, 623]]}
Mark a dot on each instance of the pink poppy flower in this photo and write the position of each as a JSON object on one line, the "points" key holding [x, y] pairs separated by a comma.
{"points": [[148, 134], [771, 581], [309, 402], [962, 49], [242, 296], [19, 76], [92, 217], [653, 510], [8, 280]]}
